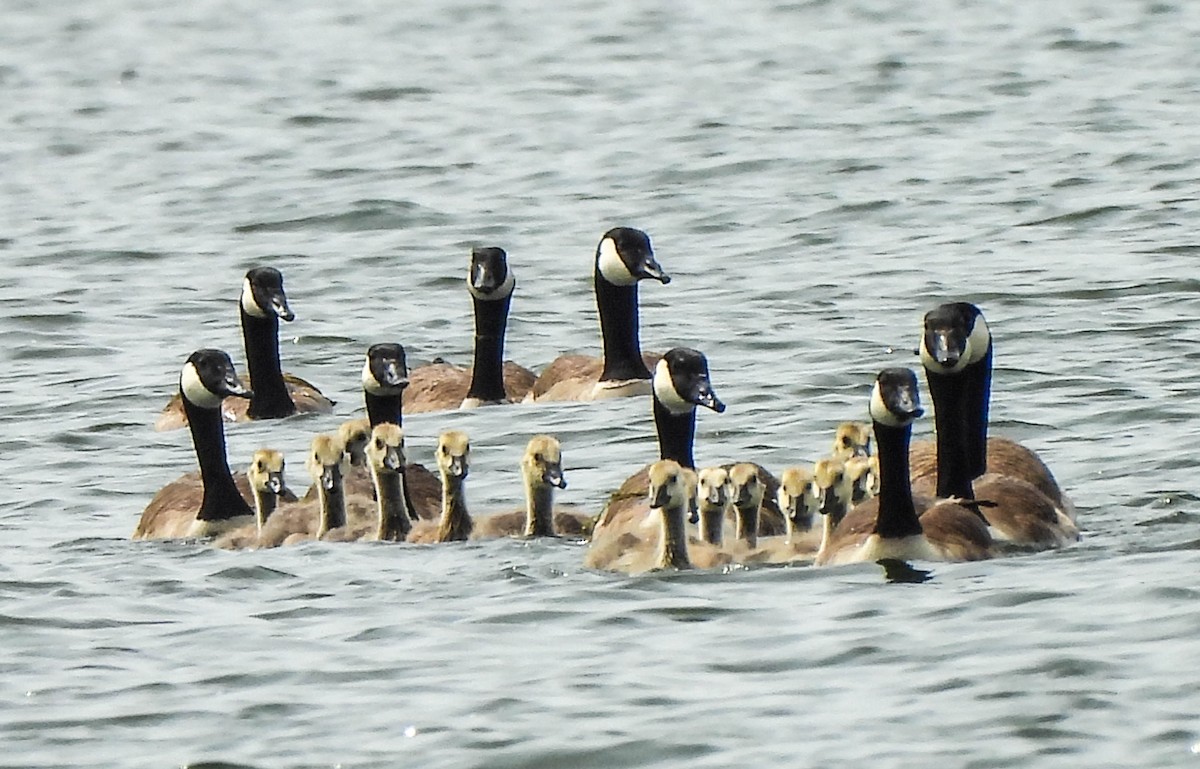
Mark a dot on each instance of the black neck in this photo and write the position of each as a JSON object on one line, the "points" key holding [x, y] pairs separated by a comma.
{"points": [[618, 306], [487, 375], [456, 521], [712, 524], [674, 553], [676, 434], [747, 523], [264, 504], [978, 383], [383, 409], [271, 399], [954, 443], [539, 520], [333, 503], [394, 523], [897, 515], [222, 500]]}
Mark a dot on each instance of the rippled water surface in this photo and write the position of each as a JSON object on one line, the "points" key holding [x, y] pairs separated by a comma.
{"points": [[814, 175]]}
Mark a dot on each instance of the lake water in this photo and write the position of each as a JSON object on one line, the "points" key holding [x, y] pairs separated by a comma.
{"points": [[814, 175]]}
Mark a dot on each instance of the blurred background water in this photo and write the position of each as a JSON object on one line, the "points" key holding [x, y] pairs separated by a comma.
{"points": [[814, 175]]}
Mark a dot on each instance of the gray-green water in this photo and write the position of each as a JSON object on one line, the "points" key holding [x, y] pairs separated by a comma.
{"points": [[815, 175]]}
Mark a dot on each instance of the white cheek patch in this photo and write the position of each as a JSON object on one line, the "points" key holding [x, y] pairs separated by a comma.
{"points": [[665, 392], [503, 291], [248, 303], [979, 341], [195, 391], [879, 410], [611, 266]]}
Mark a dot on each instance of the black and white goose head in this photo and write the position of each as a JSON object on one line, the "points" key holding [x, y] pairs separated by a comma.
{"points": [[681, 382], [489, 278], [955, 336], [263, 295], [625, 257], [895, 402], [208, 377], [385, 372]]}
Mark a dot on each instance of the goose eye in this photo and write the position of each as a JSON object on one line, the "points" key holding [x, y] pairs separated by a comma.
{"points": [[378, 443], [537, 458], [258, 466]]}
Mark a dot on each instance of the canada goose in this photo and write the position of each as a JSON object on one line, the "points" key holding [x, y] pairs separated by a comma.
{"points": [[833, 487], [276, 394], [491, 380], [385, 456], [327, 464], [667, 548], [797, 500], [681, 383], [956, 351], [384, 380], [541, 473], [852, 439], [453, 458], [268, 487], [354, 434], [185, 508], [713, 496], [863, 478], [887, 527], [746, 497], [623, 258]]}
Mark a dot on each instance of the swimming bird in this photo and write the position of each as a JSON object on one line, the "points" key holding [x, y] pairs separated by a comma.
{"points": [[188, 507], [327, 464], [712, 494], [956, 351], [798, 501], [852, 439], [894, 525], [746, 497], [669, 547], [454, 524], [384, 380], [623, 258], [276, 395], [385, 457], [268, 488], [541, 473], [491, 380], [681, 383]]}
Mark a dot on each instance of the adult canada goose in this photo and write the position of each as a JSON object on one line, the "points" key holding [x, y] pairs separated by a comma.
{"points": [[541, 472], [185, 507], [1017, 511], [852, 439], [276, 394], [667, 548], [491, 380], [887, 527], [268, 488], [681, 383], [453, 458], [956, 351], [712, 493], [384, 380], [623, 258]]}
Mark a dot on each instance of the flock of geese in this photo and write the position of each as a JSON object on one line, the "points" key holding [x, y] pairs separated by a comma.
{"points": [[965, 496]]}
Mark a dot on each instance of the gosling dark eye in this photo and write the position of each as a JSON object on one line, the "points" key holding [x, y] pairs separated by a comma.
{"points": [[537, 458], [378, 443], [259, 466]]}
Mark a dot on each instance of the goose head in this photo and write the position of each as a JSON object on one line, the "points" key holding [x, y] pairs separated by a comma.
{"points": [[681, 382], [852, 439], [263, 296], [488, 277], [862, 475], [208, 377], [265, 472], [453, 454], [668, 485], [746, 488], [542, 462], [624, 257], [955, 336], [831, 487], [385, 448], [713, 487], [385, 372], [895, 401], [327, 461], [355, 433], [797, 497]]}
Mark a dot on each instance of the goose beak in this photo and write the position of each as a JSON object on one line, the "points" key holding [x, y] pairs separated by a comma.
{"points": [[650, 268], [693, 511], [553, 476], [829, 502], [327, 478], [704, 396], [392, 460], [233, 387], [483, 280], [275, 483], [392, 376], [940, 349], [659, 496], [458, 467]]}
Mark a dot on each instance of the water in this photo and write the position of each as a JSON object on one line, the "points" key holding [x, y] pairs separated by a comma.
{"points": [[814, 175]]}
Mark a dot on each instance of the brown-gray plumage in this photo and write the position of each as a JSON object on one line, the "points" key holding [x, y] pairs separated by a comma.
{"points": [[541, 473], [454, 524]]}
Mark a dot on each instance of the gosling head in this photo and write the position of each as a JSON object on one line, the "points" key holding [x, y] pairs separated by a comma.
{"points": [[713, 487], [796, 497], [542, 462], [327, 460], [354, 434], [861, 478], [453, 454], [852, 439], [831, 487], [385, 372], [263, 296], [668, 485], [385, 448], [745, 486], [266, 472]]}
